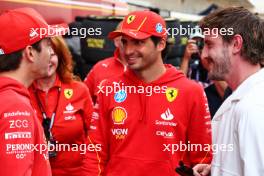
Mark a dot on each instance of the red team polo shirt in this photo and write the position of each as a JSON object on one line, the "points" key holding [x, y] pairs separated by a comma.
{"points": [[21, 134], [137, 130], [107, 68], [72, 119]]}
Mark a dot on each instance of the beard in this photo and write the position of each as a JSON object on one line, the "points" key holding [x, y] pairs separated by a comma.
{"points": [[220, 66]]}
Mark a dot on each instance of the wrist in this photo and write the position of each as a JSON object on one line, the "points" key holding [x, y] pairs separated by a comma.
{"points": [[186, 58]]}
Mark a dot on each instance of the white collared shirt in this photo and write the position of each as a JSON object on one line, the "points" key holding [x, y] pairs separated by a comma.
{"points": [[238, 126]]}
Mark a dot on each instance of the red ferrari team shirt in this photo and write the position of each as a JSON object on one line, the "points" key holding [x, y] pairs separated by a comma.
{"points": [[146, 129], [23, 150], [103, 70], [73, 114]]}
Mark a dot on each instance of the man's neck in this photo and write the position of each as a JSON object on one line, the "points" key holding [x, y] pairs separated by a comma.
{"points": [[241, 73], [152, 73], [220, 87], [122, 60], [19, 76], [46, 83]]}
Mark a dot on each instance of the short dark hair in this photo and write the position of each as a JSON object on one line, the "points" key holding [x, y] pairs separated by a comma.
{"points": [[156, 40], [12, 61], [244, 23], [37, 46]]}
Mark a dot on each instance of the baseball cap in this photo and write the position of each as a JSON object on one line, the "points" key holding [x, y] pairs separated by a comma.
{"points": [[25, 26], [141, 25]]}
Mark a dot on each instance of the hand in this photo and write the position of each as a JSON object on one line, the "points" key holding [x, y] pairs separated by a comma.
{"points": [[190, 49], [201, 169]]}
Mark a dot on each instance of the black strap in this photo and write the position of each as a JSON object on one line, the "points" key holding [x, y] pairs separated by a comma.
{"points": [[47, 123]]}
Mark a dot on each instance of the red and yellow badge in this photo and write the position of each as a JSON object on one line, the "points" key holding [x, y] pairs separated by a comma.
{"points": [[171, 94], [119, 115], [130, 19], [68, 93]]}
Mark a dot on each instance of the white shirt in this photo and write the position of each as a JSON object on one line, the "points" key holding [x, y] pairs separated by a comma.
{"points": [[238, 125]]}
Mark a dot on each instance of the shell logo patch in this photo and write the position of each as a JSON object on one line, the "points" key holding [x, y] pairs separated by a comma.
{"points": [[130, 19], [119, 115], [171, 94], [68, 93]]}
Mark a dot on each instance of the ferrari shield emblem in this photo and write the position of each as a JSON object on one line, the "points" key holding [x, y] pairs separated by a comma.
{"points": [[68, 93], [171, 94], [130, 19]]}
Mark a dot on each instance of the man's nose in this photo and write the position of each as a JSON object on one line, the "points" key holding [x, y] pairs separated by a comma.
{"points": [[129, 49], [204, 53]]}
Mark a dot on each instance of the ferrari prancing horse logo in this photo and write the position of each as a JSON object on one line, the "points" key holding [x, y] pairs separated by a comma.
{"points": [[68, 93], [171, 94], [130, 19]]}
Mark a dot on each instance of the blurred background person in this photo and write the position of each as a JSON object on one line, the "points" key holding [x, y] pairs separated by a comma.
{"points": [[196, 68], [64, 108], [191, 62], [106, 68]]}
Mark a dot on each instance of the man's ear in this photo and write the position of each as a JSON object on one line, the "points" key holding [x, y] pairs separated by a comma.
{"points": [[29, 53], [162, 44], [117, 42], [237, 44]]}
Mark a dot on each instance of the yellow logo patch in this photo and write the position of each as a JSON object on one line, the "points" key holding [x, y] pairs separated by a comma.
{"points": [[119, 115], [68, 93], [171, 94], [130, 19]]}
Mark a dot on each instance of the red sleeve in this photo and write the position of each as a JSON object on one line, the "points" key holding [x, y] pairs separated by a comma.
{"points": [[199, 130], [16, 140], [90, 82], [87, 114], [41, 163], [98, 136], [88, 108]]}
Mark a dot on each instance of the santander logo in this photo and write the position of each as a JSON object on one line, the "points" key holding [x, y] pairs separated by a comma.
{"points": [[167, 115]]}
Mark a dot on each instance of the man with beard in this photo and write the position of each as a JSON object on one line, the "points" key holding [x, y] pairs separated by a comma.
{"points": [[238, 125]]}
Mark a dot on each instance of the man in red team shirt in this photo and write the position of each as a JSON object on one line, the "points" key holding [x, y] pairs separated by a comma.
{"points": [[24, 57], [150, 110], [106, 68]]}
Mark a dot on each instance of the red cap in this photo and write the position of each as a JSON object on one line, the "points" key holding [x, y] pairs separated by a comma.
{"points": [[141, 25], [24, 26]]}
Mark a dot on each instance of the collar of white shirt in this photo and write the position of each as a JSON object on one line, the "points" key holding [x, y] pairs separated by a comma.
{"points": [[240, 92]]}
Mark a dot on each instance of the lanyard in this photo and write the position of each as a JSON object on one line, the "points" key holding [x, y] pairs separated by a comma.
{"points": [[47, 123]]}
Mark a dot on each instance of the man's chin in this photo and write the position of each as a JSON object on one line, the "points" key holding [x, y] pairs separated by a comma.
{"points": [[51, 72], [134, 67], [46, 75], [215, 77]]}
